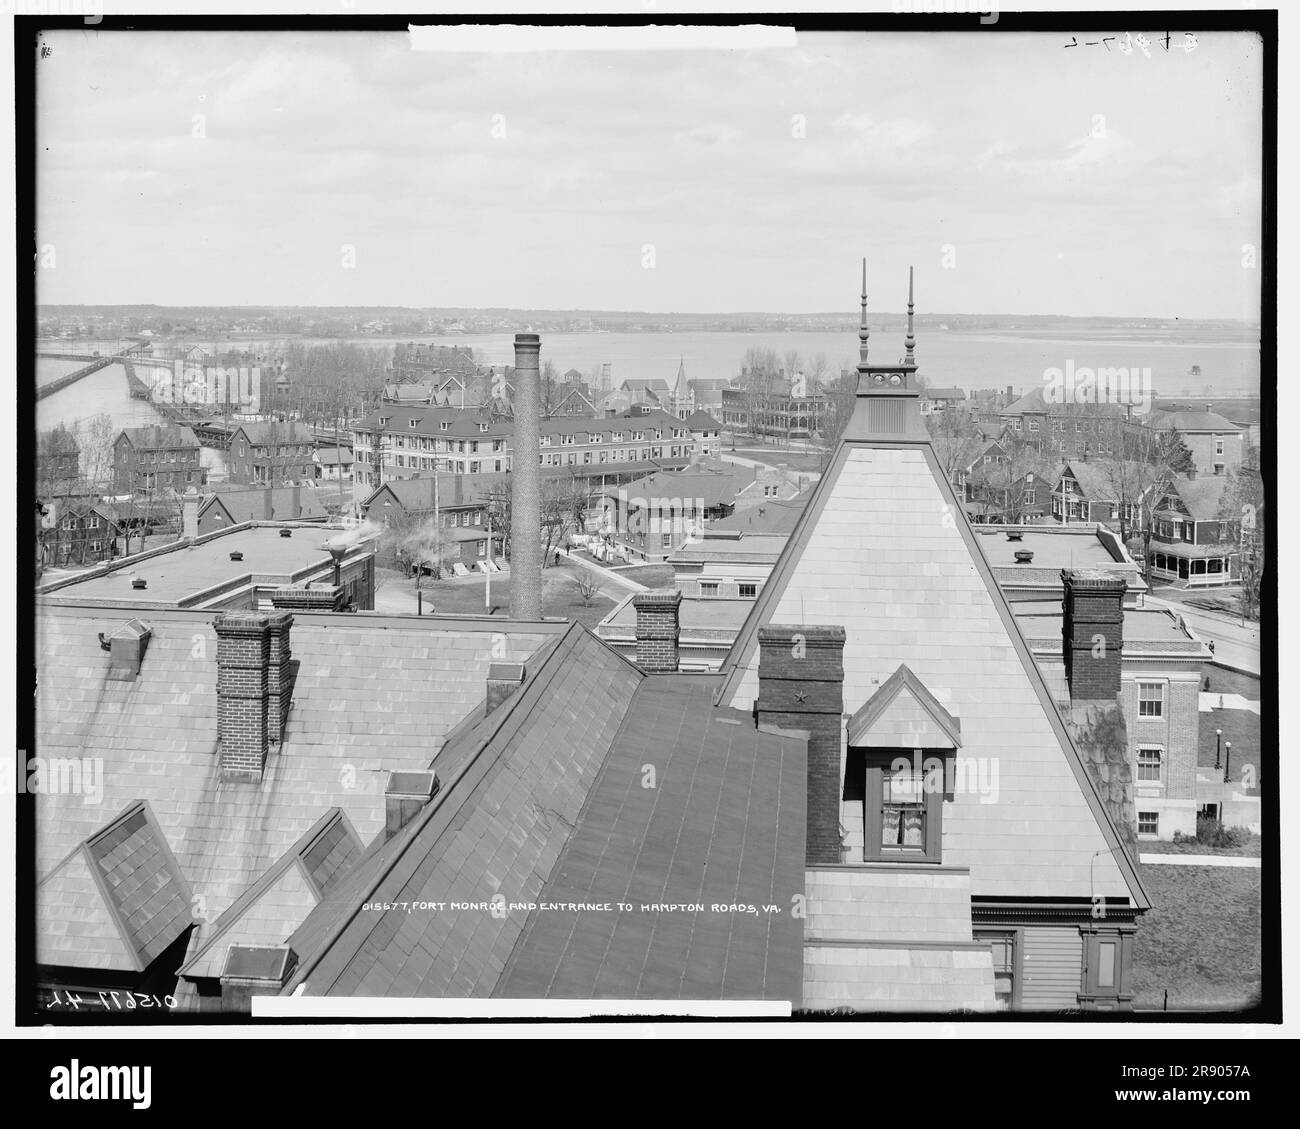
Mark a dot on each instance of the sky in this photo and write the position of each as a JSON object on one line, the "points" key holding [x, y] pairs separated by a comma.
{"points": [[1017, 175]]}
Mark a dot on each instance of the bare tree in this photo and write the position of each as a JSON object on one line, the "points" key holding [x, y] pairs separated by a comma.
{"points": [[414, 542], [564, 507], [1240, 519], [587, 584], [1003, 486], [957, 438]]}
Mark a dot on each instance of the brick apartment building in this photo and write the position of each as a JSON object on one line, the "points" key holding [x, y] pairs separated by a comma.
{"points": [[157, 458], [272, 454], [1215, 442]]}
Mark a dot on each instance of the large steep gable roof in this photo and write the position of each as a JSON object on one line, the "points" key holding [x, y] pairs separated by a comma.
{"points": [[885, 550]]}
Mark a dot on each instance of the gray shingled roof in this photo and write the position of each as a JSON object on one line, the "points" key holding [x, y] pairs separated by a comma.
{"points": [[373, 694], [542, 805], [726, 828]]}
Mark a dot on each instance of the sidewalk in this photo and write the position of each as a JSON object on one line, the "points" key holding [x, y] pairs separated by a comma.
{"points": [[608, 574], [1201, 860]]}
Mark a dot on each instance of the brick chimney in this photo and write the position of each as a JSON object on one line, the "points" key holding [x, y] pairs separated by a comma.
{"points": [[1092, 633], [309, 598], [254, 685], [525, 484], [801, 686], [503, 679], [280, 675], [658, 628]]}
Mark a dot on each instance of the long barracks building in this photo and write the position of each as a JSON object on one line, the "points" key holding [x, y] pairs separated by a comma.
{"points": [[399, 442]]}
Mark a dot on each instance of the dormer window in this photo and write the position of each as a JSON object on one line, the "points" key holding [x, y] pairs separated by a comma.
{"points": [[482, 427], [901, 790], [445, 425], [412, 423]]}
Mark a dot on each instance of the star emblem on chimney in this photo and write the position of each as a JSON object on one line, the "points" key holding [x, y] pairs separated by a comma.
{"points": [[801, 695]]}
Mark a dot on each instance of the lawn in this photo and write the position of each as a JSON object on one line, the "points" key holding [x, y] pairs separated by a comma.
{"points": [[807, 461], [1242, 728], [652, 576], [1200, 939], [1231, 682], [467, 596]]}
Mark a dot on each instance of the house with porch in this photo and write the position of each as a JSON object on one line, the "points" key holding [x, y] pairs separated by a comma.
{"points": [[1191, 545]]}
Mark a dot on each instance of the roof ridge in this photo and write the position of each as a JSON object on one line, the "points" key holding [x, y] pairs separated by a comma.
{"points": [[235, 911], [449, 800]]}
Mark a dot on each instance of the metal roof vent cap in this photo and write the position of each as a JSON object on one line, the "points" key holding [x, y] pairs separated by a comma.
{"points": [[140, 583], [286, 533], [1024, 556], [236, 555], [1015, 535]]}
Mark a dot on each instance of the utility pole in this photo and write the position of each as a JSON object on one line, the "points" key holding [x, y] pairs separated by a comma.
{"points": [[487, 591]]}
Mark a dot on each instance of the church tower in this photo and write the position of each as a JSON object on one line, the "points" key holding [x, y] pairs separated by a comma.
{"points": [[681, 398]]}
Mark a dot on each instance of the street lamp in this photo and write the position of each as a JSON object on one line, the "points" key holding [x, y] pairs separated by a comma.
{"points": [[1218, 747], [1227, 762]]}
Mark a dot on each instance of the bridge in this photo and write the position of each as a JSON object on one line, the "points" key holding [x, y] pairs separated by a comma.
{"points": [[93, 365]]}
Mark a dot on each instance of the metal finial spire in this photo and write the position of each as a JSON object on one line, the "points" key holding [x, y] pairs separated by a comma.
{"points": [[910, 341], [864, 334]]}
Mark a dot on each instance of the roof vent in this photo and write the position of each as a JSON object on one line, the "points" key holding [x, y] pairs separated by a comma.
{"points": [[236, 555], [286, 533], [406, 794], [139, 584], [1024, 556], [126, 648], [1015, 535]]}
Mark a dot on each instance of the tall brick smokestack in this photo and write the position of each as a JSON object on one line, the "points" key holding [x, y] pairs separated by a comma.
{"points": [[525, 484]]}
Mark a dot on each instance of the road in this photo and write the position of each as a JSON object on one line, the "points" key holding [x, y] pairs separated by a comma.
{"points": [[1234, 645]]}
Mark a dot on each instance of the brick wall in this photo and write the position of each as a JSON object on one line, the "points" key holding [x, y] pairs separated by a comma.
{"points": [[321, 598], [1092, 633], [279, 675], [243, 693], [801, 686]]}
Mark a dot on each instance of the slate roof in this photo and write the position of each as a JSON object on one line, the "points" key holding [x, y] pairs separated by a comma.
{"points": [[276, 433], [117, 901], [1190, 421], [884, 550], [282, 503], [1035, 402], [159, 437], [700, 420], [1103, 482], [513, 787], [280, 900], [542, 804], [903, 714], [1201, 496], [702, 483], [329, 456], [373, 694], [454, 491], [775, 516], [725, 826]]}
